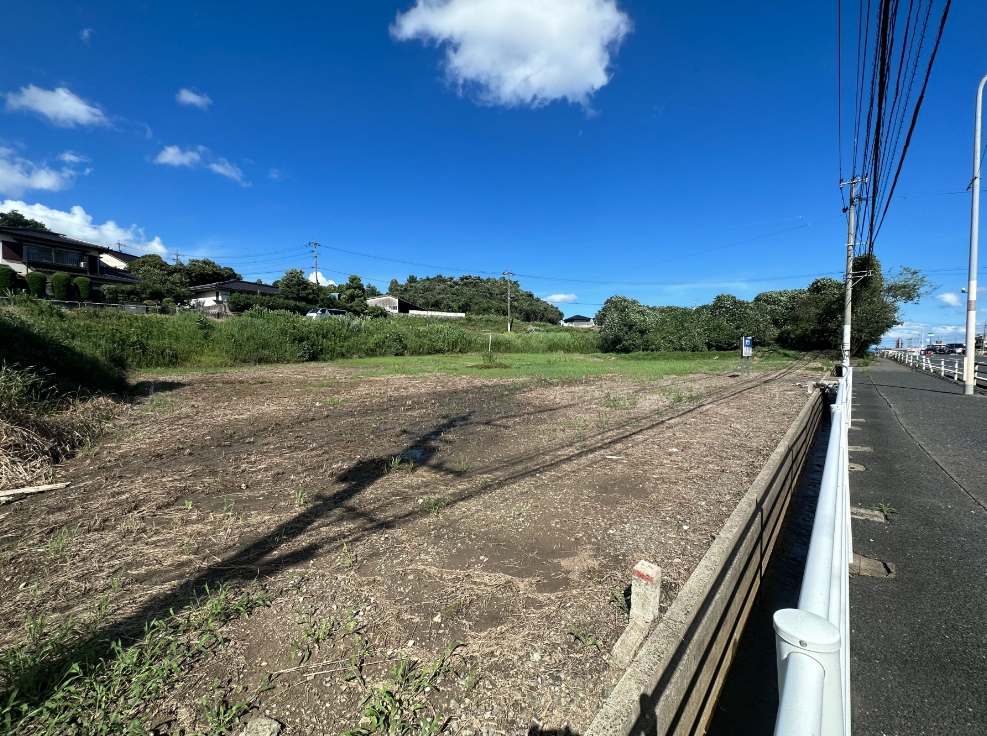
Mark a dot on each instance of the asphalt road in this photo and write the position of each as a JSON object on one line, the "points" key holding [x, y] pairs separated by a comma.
{"points": [[919, 640]]}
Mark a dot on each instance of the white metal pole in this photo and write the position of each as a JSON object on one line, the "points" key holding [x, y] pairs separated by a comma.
{"points": [[970, 355], [848, 294]]}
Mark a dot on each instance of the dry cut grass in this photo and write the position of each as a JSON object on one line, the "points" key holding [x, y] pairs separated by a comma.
{"points": [[39, 427]]}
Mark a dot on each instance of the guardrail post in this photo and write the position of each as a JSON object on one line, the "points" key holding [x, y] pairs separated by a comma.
{"points": [[801, 635]]}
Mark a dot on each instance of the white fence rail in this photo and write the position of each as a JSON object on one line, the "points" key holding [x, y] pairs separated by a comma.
{"points": [[813, 641], [938, 365]]}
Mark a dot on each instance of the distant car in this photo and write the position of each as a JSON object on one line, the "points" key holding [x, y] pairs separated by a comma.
{"points": [[956, 348], [323, 313]]}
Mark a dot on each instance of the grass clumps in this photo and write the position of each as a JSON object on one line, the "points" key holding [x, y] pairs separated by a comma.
{"points": [[72, 680]]}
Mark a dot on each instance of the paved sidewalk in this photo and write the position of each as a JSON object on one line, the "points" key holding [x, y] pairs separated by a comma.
{"points": [[918, 641]]}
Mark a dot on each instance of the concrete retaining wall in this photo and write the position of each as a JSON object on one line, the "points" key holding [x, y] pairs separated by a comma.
{"points": [[673, 683]]}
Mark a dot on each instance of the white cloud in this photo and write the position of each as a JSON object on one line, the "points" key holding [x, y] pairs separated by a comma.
{"points": [[521, 52], [322, 279], [85, 34], [18, 175], [78, 224], [195, 99], [200, 155], [949, 299], [175, 156], [60, 106], [275, 174], [561, 298], [71, 157], [231, 171]]}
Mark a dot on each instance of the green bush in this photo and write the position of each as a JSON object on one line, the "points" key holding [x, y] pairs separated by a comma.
{"points": [[37, 284], [8, 280], [84, 287], [168, 305], [376, 312], [61, 286]]}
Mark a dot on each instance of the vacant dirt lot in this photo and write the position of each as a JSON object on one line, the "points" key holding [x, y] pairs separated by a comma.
{"points": [[431, 546]]}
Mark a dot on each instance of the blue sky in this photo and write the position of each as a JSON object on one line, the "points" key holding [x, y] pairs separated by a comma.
{"points": [[666, 151]]}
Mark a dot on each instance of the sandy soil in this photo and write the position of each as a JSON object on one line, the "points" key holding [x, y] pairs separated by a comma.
{"points": [[395, 519]]}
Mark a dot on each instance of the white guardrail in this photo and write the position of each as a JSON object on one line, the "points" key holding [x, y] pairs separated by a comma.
{"points": [[813, 641], [935, 364]]}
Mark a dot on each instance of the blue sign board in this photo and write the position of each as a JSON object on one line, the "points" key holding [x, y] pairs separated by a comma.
{"points": [[747, 348]]}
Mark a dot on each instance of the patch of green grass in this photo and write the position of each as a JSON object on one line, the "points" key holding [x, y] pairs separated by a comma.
{"points": [[58, 544], [463, 464], [883, 508], [435, 504], [68, 681], [399, 706], [313, 632], [346, 557], [612, 401], [632, 367], [586, 638], [301, 497]]}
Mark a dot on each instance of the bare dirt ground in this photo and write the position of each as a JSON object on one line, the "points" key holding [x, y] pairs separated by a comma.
{"points": [[483, 528]]}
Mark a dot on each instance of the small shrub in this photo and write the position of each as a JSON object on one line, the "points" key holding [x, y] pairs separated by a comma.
{"points": [[375, 311], [8, 280], [61, 286], [85, 288], [37, 284], [168, 305]]}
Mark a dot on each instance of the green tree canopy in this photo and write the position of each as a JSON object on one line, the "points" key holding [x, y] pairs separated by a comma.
{"points": [[16, 219], [474, 295], [353, 295], [803, 319], [295, 287], [156, 280], [205, 271]]}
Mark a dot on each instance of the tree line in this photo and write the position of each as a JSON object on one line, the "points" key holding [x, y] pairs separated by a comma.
{"points": [[800, 319]]}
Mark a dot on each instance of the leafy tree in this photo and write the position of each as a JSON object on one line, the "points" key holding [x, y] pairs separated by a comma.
{"points": [[293, 286], [353, 295], [676, 329], [157, 280], [624, 323], [375, 311], [205, 271], [816, 322], [372, 291], [727, 319], [16, 219]]}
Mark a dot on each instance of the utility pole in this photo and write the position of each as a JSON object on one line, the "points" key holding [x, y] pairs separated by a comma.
{"points": [[848, 294], [970, 353], [508, 274], [315, 254]]}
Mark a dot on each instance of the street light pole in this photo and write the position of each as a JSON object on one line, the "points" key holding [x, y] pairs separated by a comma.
{"points": [[970, 352]]}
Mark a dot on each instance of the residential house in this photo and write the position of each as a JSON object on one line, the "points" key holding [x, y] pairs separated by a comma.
{"points": [[578, 320], [26, 250], [209, 295]]}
